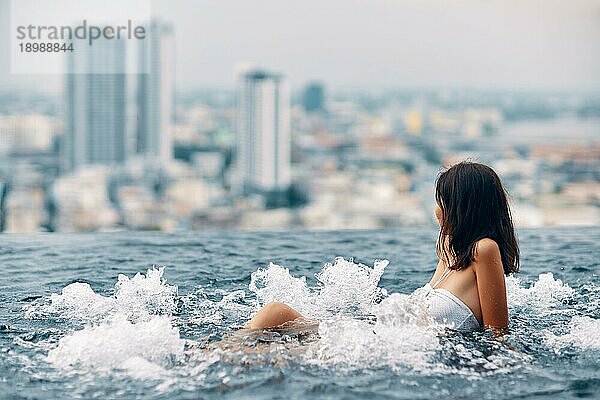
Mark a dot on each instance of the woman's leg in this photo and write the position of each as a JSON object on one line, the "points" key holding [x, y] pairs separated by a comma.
{"points": [[272, 315]]}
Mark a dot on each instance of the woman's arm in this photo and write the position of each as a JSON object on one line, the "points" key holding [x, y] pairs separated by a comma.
{"points": [[490, 285]]}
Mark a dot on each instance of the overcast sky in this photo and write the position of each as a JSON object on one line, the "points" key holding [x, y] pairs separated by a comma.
{"points": [[507, 44]]}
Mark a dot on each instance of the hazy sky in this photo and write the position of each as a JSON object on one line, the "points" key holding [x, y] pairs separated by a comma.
{"points": [[510, 44]]}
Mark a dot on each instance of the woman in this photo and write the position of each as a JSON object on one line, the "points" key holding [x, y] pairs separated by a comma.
{"points": [[476, 247]]}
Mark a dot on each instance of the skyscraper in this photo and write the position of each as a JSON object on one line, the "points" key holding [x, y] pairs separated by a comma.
{"points": [[96, 105], [313, 98], [155, 93], [263, 132]]}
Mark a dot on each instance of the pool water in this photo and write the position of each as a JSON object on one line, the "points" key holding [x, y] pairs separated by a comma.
{"points": [[154, 315]]}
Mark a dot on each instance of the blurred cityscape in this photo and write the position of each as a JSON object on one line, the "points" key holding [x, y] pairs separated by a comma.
{"points": [[126, 151]]}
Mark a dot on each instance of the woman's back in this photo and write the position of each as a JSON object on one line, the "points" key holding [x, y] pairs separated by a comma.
{"points": [[474, 284], [462, 283]]}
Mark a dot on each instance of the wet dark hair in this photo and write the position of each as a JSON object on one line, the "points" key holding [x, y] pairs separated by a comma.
{"points": [[474, 206]]}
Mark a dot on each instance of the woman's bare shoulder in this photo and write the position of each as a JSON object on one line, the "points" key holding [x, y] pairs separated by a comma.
{"points": [[486, 246], [487, 251]]}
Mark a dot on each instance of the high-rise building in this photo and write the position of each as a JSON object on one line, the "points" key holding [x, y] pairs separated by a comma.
{"points": [[263, 132], [96, 105], [313, 98], [155, 93]]}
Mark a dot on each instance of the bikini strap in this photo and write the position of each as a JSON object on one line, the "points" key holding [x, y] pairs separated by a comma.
{"points": [[446, 272]]}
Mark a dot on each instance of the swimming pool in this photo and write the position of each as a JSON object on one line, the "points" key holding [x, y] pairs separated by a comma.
{"points": [[76, 320]]}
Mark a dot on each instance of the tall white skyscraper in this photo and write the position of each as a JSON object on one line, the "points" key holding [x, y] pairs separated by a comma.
{"points": [[96, 105], [155, 93], [263, 132]]}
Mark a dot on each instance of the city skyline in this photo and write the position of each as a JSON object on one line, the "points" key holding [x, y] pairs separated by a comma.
{"points": [[260, 153], [362, 161]]}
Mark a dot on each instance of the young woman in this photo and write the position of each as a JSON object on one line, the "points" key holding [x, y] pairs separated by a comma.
{"points": [[476, 247]]}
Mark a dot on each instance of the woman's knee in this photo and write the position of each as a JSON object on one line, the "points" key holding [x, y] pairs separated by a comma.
{"points": [[278, 308], [273, 314]]}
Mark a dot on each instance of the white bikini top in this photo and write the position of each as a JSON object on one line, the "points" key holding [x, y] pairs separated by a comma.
{"points": [[447, 309]]}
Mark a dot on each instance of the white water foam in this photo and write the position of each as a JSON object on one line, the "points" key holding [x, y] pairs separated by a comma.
{"points": [[137, 298], [131, 331], [583, 334], [360, 325], [344, 287], [230, 309], [138, 348], [403, 333], [77, 301], [543, 295]]}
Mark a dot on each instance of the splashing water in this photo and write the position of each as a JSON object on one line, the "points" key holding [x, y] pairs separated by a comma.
{"points": [[137, 298], [117, 343], [583, 333], [130, 331], [150, 331], [344, 287], [360, 324], [544, 295], [403, 334]]}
